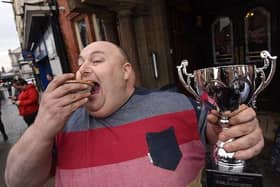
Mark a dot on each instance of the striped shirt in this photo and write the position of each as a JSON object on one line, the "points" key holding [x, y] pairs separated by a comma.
{"points": [[138, 145]]}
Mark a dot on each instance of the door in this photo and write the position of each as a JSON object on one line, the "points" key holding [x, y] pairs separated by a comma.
{"points": [[213, 33], [240, 30], [239, 39]]}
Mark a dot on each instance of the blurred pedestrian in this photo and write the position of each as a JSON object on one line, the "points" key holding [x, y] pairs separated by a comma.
{"points": [[27, 100], [2, 128], [9, 88], [49, 77]]}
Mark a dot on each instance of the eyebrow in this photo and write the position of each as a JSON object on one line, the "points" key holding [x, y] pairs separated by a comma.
{"points": [[96, 52], [91, 54]]}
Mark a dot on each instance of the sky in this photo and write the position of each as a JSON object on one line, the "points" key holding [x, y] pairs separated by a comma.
{"points": [[8, 34]]}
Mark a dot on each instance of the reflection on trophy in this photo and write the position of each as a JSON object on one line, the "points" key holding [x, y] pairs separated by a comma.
{"points": [[225, 88]]}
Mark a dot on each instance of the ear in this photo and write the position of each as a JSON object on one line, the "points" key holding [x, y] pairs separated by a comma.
{"points": [[127, 68]]}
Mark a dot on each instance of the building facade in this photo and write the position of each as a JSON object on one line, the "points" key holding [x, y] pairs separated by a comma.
{"points": [[39, 35], [158, 35], [139, 27]]}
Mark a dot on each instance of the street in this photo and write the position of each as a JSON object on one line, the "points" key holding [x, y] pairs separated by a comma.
{"points": [[15, 126]]}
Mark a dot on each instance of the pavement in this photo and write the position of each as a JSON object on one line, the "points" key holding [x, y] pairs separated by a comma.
{"points": [[15, 127]]}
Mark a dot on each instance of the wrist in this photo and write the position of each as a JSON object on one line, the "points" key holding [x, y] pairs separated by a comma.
{"points": [[43, 133]]}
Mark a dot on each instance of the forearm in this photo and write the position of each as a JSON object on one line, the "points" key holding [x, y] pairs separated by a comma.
{"points": [[29, 161]]}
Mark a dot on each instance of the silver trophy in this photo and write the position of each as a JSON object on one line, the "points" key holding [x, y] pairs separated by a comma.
{"points": [[225, 88]]}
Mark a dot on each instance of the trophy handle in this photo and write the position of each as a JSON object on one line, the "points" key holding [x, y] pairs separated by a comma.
{"points": [[268, 60], [187, 85]]}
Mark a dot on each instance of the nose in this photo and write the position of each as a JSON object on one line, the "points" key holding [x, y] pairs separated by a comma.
{"points": [[85, 71]]}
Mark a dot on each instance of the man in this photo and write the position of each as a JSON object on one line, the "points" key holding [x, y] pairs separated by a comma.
{"points": [[27, 100], [116, 135], [49, 77]]}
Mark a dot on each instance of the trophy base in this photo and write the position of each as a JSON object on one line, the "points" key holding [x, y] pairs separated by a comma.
{"points": [[217, 177], [230, 179]]}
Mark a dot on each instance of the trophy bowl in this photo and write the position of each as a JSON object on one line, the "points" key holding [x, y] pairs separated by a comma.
{"points": [[225, 88]]}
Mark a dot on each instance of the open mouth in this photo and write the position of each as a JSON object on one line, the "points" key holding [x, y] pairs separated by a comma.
{"points": [[95, 88]]}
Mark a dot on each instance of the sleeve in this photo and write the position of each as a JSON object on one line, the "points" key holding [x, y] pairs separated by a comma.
{"points": [[201, 114]]}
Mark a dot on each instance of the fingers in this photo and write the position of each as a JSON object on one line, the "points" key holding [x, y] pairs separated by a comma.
{"points": [[71, 107], [242, 129], [246, 146], [213, 117], [58, 88], [72, 98], [242, 115], [249, 153], [245, 141], [241, 108], [70, 88], [58, 81], [242, 123]]}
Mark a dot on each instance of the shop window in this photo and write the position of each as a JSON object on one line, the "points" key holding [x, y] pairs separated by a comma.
{"points": [[257, 33], [222, 41], [81, 32], [99, 28]]}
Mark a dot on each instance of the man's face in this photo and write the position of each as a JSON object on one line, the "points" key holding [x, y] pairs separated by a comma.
{"points": [[102, 63], [16, 86]]}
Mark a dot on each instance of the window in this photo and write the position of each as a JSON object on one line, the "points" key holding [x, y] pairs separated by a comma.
{"points": [[257, 33], [81, 32], [222, 40], [99, 28]]}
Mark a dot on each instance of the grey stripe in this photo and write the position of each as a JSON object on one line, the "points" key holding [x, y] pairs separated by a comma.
{"points": [[139, 106]]}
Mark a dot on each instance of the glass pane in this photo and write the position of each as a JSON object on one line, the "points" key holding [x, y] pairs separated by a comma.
{"points": [[257, 33], [99, 28], [222, 41], [82, 33]]}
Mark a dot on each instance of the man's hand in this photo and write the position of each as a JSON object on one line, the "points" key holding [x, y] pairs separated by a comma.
{"points": [[58, 102], [244, 128], [17, 103]]}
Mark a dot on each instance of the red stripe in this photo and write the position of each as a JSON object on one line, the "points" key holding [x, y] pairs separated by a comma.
{"points": [[138, 172], [116, 144]]}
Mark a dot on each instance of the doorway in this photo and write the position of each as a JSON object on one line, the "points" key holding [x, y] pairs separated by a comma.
{"points": [[214, 33]]}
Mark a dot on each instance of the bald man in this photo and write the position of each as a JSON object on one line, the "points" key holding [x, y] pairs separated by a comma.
{"points": [[113, 134]]}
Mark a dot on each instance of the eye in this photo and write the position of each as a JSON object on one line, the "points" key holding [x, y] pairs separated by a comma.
{"points": [[97, 61]]}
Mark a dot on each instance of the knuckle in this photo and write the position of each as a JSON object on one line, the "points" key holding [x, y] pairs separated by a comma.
{"points": [[244, 130]]}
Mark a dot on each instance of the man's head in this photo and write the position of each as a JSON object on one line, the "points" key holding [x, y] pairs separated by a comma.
{"points": [[19, 84], [49, 77], [107, 66]]}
